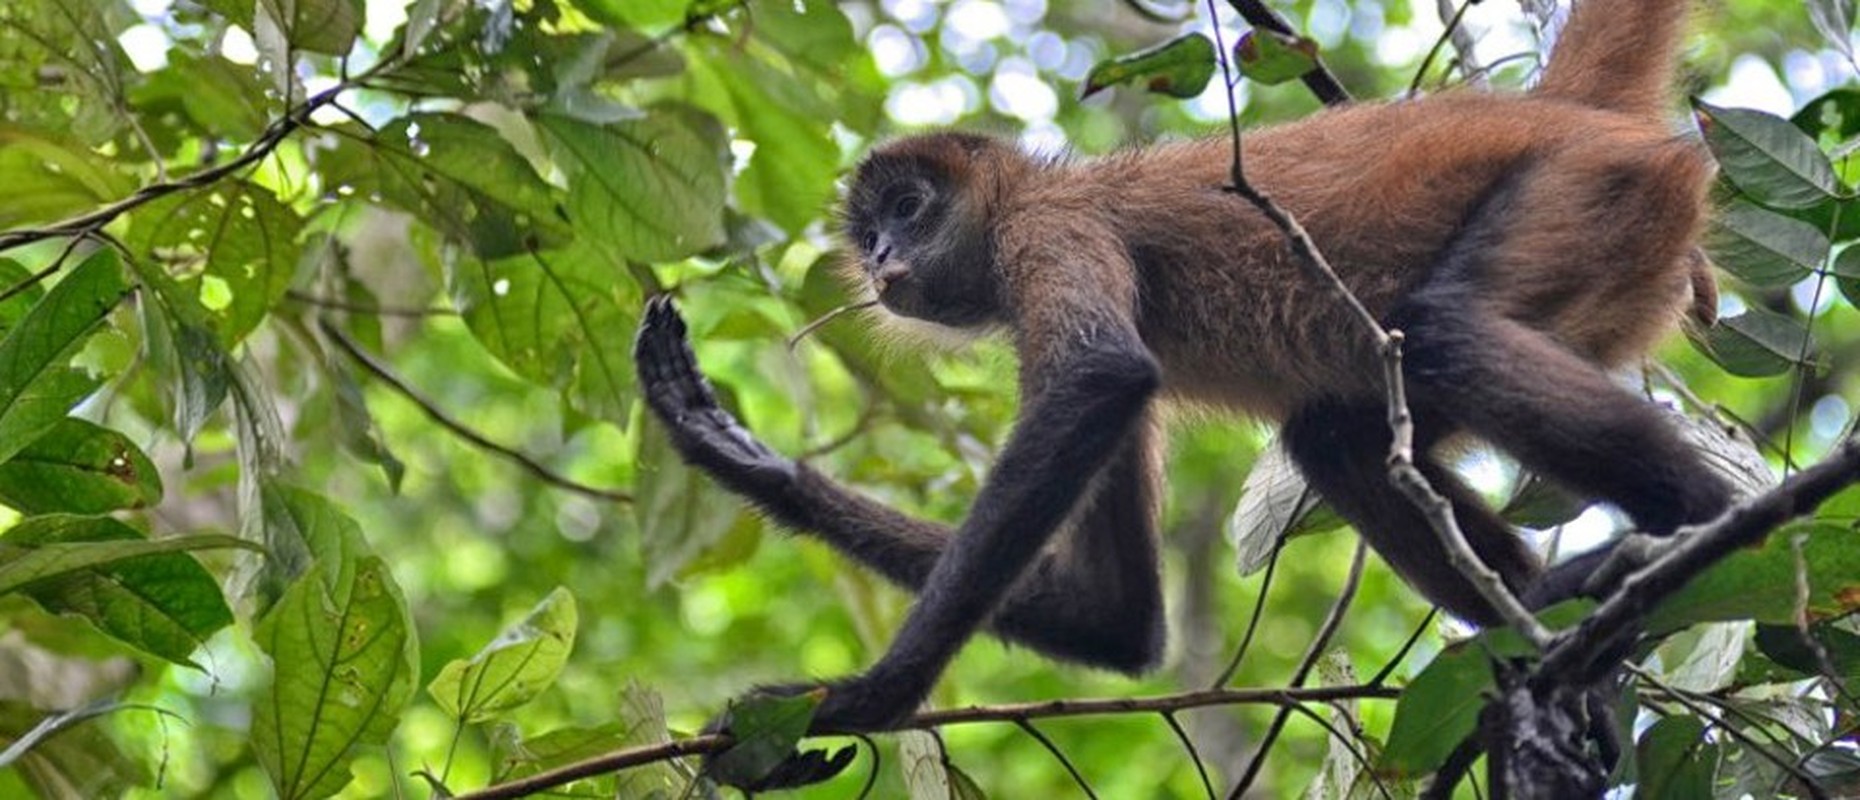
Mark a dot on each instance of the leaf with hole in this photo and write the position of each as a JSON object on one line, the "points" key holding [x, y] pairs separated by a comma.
{"points": [[1273, 58], [81, 468]]}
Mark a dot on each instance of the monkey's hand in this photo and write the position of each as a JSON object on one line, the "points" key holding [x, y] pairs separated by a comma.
{"points": [[849, 705], [705, 434]]}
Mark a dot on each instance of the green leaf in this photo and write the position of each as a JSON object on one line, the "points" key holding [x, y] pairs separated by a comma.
{"points": [[636, 13], [1757, 343], [680, 511], [1767, 157], [1274, 502], [519, 664], [1273, 58], [553, 317], [62, 68], [1675, 761], [194, 367], [164, 604], [1832, 118], [815, 35], [1765, 248], [216, 97], [1180, 67], [648, 189], [319, 26], [48, 179], [1785, 645], [344, 662], [1540, 504], [1760, 583], [460, 176], [21, 566], [36, 387], [1441, 705], [789, 178], [243, 241], [1847, 274], [766, 728], [361, 434], [15, 308], [81, 468], [641, 723]]}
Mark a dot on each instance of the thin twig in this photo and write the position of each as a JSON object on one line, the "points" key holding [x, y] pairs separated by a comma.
{"points": [[1027, 725], [1350, 744], [460, 429], [1313, 653], [1402, 654], [930, 720], [810, 327], [1698, 709], [1402, 471], [1452, 33], [1259, 612], [1194, 754]]}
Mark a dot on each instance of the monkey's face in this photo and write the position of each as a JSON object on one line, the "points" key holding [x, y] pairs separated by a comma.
{"points": [[922, 243]]}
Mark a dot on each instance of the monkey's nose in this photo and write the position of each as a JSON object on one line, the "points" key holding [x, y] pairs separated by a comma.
{"points": [[889, 274]]}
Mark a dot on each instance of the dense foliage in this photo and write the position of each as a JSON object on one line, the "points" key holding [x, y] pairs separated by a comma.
{"points": [[321, 468]]}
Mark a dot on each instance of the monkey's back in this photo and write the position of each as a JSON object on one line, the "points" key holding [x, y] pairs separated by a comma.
{"points": [[1597, 250]]}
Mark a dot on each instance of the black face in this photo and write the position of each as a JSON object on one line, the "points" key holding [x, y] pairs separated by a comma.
{"points": [[926, 252]]}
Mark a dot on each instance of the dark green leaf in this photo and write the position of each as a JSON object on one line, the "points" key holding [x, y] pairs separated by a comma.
{"points": [[815, 35], [649, 189], [1538, 503], [519, 664], [1831, 118], [361, 434], [1760, 583], [195, 368], [344, 663], [1786, 645], [553, 317], [1757, 343], [15, 308], [1441, 705], [36, 386], [1674, 761], [636, 13], [1180, 67], [164, 604], [20, 566], [1273, 58], [458, 175], [218, 98], [319, 26], [790, 177], [242, 240], [766, 729], [1765, 248], [81, 468], [1847, 274], [1768, 157], [62, 68]]}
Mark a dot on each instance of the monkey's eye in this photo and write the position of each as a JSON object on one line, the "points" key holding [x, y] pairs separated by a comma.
{"points": [[906, 206], [868, 241]]}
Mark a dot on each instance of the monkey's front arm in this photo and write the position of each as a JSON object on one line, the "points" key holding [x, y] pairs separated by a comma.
{"points": [[1084, 417]]}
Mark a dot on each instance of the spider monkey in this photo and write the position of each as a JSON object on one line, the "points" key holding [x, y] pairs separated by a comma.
{"points": [[1525, 244]]}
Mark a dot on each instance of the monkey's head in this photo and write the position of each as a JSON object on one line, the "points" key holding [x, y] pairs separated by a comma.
{"points": [[918, 216]]}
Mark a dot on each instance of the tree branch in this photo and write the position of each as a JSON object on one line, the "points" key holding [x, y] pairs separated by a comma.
{"points": [[1013, 713], [460, 429]]}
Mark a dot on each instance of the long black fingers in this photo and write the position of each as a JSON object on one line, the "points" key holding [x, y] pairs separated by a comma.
{"points": [[668, 371]]}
